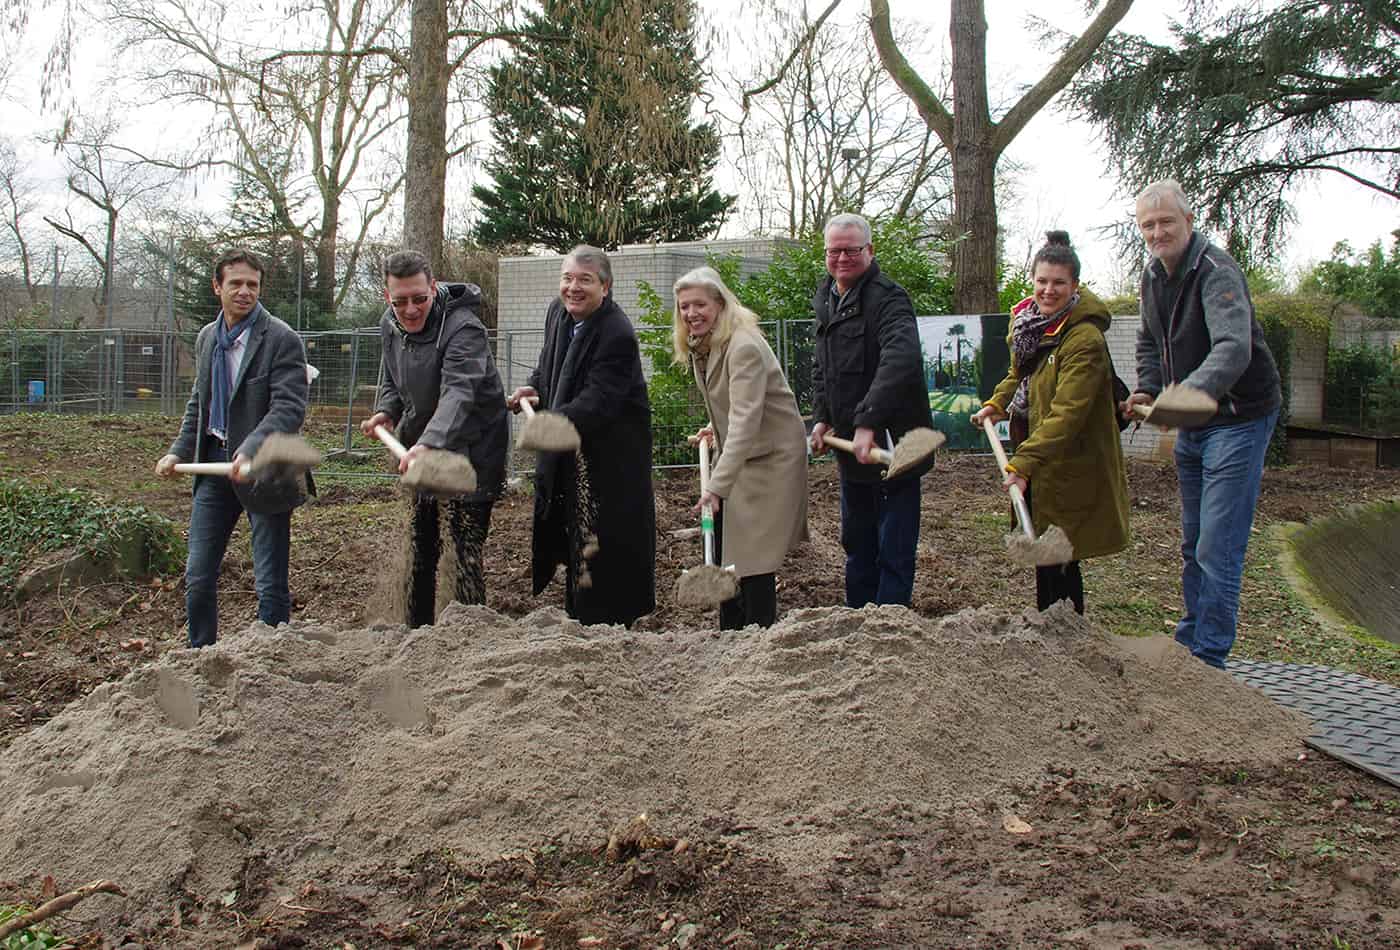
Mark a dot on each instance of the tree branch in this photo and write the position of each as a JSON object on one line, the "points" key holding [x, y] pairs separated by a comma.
{"points": [[787, 63], [935, 115], [1058, 76]]}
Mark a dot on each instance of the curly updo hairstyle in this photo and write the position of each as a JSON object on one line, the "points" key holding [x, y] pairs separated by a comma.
{"points": [[1057, 250]]}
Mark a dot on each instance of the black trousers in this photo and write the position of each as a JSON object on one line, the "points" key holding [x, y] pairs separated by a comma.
{"points": [[1056, 582], [1059, 582], [757, 599], [467, 522]]}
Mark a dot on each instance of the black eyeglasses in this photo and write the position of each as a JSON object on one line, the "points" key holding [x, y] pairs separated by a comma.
{"points": [[398, 303], [835, 253]]}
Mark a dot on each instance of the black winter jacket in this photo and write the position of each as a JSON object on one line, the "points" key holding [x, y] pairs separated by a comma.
{"points": [[442, 387], [868, 368]]}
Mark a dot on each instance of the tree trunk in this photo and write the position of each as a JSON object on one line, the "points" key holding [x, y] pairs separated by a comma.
{"points": [[324, 293], [974, 164], [426, 159]]}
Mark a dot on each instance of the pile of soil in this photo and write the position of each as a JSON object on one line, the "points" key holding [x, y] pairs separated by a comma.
{"points": [[320, 751]]}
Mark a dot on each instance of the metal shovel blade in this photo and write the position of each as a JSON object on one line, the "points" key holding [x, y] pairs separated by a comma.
{"points": [[547, 431], [1052, 547], [1178, 405], [283, 457], [440, 472], [912, 450], [706, 586]]}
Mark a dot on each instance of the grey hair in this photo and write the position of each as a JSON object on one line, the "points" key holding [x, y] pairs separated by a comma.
{"points": [[1154, 193], [849, 221], [594, 259]]}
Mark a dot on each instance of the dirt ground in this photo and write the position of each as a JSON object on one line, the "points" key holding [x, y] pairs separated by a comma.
{"points": [[1221, 849]]}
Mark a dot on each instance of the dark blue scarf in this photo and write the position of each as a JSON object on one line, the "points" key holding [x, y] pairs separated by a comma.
{"points": [[220, 382]]}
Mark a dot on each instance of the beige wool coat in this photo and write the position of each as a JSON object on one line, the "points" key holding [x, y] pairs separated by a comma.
{"points": [[762, 469]]}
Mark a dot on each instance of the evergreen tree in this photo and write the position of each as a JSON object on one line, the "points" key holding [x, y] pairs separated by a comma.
{"points": [[594, 143], [1243, 108]]}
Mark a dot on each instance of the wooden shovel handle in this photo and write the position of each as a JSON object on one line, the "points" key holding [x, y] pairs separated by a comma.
{"points": [[384, 435], [846, 445], [1018, 501], [224, 469], [527, 406]]}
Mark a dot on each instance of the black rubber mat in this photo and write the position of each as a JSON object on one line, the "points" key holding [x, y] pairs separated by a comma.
{"points": [[1355, 719]]}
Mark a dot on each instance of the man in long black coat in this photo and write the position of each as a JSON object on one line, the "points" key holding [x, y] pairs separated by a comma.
{"points": [[595, 512]]}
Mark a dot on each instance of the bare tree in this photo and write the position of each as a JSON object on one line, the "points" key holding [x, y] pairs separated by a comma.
{"points": [[966, 127], [17, 203], [108, 178], [309, 126], [835, 134]]}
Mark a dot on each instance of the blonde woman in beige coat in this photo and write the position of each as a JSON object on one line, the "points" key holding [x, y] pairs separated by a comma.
{"points": [[758, 487]]}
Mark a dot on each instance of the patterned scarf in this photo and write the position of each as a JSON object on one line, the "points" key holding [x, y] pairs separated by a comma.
{"points": [[699, 351], [1028, 345], [220, 380]]}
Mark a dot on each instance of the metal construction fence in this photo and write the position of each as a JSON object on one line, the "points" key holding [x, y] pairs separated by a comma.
{"points": [[122, 371]]}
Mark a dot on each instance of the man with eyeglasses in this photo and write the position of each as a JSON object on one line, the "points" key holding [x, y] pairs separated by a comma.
{"points": [[440, 388], [868, 386]]}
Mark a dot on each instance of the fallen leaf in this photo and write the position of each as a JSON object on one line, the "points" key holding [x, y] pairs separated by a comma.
{"points": [[137, 645], [1014, 825], [48, 888]]}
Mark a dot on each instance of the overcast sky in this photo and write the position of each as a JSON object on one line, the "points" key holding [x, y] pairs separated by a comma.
{"points": [[1064, 182]]}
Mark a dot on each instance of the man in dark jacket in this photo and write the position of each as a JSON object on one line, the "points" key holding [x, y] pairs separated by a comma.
{"points": [[1198, 329], [595, 512], [868, 386], [441, 389], [250, 381]]}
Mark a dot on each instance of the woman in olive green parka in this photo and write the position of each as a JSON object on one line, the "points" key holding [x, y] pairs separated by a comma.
{"points": [[1061, 384]]}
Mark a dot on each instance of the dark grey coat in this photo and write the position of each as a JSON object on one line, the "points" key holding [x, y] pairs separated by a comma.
{"points": [[1207, 335], [442, 389], [269, 396]]}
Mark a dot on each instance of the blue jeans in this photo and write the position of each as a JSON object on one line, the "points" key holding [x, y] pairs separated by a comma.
{"points": [[212, 519], [880, 533], [1219, 469]]}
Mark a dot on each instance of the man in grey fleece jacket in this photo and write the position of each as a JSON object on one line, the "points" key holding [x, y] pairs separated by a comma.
{"points": [[441, 389], [1198, 329]]}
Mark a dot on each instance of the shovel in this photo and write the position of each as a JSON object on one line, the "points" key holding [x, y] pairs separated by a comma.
{"points": [[281, 457], [708, 584], [1176, 406], [546, 431], [436, 471], [909, 452], [1025, 548]]}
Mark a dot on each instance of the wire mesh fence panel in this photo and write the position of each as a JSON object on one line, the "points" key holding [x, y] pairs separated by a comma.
{"points": [[123, 370], [517, 354]]}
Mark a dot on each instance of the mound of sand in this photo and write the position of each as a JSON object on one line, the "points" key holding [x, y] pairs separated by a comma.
{"points": [[322, 751]]}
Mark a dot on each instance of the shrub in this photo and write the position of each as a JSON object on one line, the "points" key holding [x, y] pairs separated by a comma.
{"points": [[38, 519]]}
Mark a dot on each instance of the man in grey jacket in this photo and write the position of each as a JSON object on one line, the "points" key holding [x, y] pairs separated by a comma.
{"points": [[441, 389], [250, 381], [1198, 329]]}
